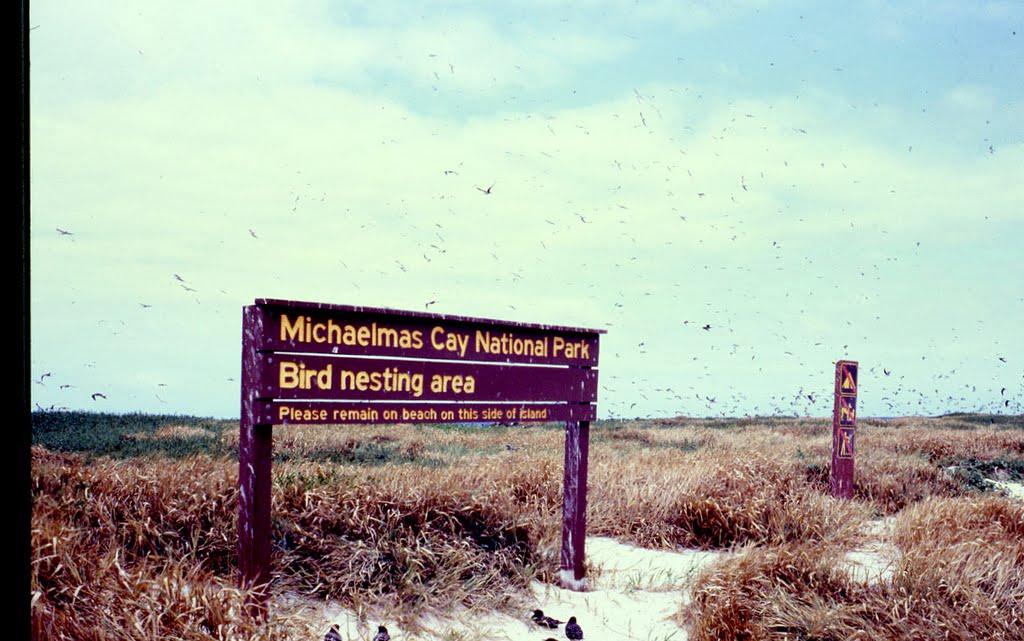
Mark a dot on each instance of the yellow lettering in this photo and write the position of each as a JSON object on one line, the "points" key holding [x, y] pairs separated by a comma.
{"points": [[291, 331], [288, 377], [456, 383], [291, 375], [452, 342], [533, 414], [295, 414], [419, 414], [362, 378]]}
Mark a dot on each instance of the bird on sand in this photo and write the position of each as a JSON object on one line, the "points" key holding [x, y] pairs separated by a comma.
{"points": [[333, 634], [545, 621], [382, 634], [573, 630]]}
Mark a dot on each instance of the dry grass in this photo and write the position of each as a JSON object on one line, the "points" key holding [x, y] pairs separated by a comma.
{"points": [[170, 433], [392, 538], [138, 550], [713, 501], [961, 577], [410, 520]]}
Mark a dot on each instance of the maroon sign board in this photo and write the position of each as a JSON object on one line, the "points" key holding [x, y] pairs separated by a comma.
{"points": [[844, 429], [314, 363]]}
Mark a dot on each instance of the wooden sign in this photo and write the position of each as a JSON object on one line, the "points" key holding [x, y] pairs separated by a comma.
{"points": [[313, 363], [844, 424]]}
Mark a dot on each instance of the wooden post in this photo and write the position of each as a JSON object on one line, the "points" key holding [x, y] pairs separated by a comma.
{"points": [[844, 424], [574, 504], [255, 448]]}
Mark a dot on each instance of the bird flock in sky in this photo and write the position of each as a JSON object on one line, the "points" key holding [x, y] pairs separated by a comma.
{"points": [[676, 203]]}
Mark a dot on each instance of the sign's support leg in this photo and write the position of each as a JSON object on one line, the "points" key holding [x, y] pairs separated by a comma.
{"points": [[255, 449], [574, 504]]}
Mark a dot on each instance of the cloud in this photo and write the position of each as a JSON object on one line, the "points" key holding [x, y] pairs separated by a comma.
{"points": [[971, 98], [305, 155]]}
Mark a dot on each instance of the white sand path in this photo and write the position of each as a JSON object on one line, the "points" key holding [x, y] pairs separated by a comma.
{"points": [[633, 594]]}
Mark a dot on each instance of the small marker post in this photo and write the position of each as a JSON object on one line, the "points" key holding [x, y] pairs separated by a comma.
{"points": [[844, 429]]}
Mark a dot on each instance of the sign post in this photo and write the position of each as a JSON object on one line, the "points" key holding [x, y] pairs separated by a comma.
{"points": [[313, 363], [574, 504], [844, 429]]}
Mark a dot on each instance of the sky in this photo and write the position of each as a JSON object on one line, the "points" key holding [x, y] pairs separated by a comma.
{"points": [[740, 193]]}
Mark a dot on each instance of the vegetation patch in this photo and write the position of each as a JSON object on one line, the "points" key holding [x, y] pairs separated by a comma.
{"points": [[130, 435], [1003, 421], [960, 576], [134, 523]]}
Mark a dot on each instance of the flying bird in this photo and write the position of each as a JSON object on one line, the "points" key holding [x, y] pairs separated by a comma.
{"points": [[333, 634], [63, 232], [706, 327], [486, 191], [382, 634], [573, 630], [545, 621], [40, 381], [98, 395]]}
